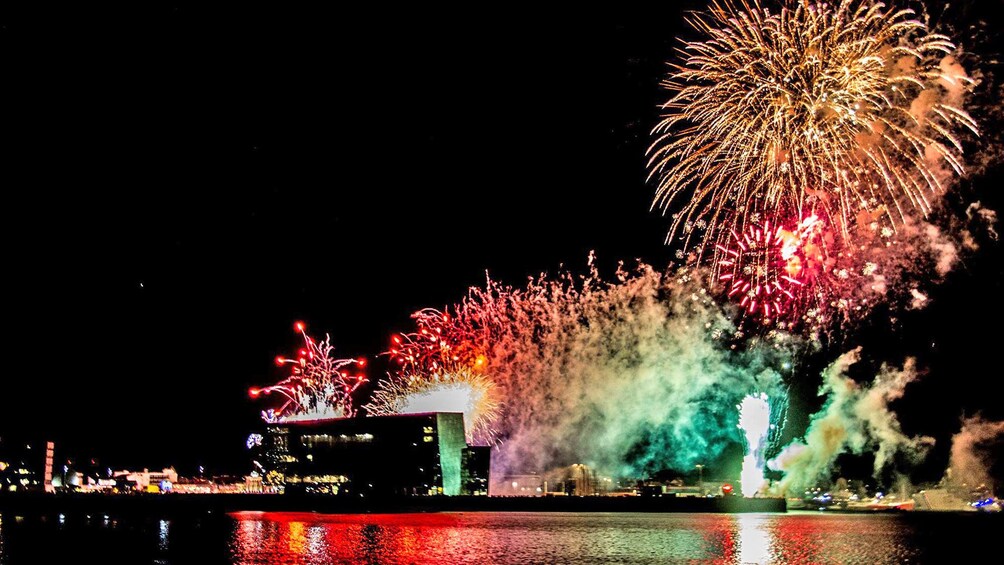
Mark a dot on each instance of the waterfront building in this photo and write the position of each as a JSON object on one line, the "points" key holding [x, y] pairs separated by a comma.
{"points": [[409, 454], [474, 469], [522, 485], [149, 481]]}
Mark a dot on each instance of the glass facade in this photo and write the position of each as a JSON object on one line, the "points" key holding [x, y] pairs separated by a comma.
{"points": [[413, 455]]}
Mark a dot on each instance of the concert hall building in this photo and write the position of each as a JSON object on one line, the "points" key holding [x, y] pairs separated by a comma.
{"points": [[410, 454]]}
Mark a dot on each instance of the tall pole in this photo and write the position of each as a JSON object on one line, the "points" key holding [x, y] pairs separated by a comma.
{"points": [[700, 478]]}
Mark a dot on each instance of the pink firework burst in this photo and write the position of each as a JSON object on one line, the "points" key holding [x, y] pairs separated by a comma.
{"points": [[767, 268]]}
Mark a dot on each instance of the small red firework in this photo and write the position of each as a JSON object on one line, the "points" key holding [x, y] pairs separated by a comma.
{"points": [[318, 385]]}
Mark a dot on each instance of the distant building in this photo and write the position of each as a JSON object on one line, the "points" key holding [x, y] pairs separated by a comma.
{"points": [[50, 448], [580, 480], [149, 481], [194, 486], [253, 484], [22, 465], [572, 480], [474, 470], [521, 485], [412, 454]]}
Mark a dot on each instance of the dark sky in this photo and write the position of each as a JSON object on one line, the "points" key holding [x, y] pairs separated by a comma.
{"points": [[183, 183]]}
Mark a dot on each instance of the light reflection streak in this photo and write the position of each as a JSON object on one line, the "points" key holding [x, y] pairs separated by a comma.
{"points": [[162, 537], [755, 540]]}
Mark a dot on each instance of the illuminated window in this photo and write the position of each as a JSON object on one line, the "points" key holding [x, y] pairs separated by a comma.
{"points": [[428, 430], [427, 439]]}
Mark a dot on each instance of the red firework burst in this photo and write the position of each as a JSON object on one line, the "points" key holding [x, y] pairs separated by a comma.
{"points": [[440, 344], [317, 386], [766, 267]]}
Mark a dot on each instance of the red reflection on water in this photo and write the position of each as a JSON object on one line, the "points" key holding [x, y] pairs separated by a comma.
{"points": [[798, 538], [519, 538], [431, 519], [723, 528], [305, 537], [765, 538]]}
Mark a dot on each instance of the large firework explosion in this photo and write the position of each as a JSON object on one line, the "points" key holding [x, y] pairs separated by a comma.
{"points": [[460, 390], [849, 112], [640, 374], [318, 386], [627, 376]]}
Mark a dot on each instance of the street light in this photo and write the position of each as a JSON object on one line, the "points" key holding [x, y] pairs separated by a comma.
{"points": [[700, 477]]}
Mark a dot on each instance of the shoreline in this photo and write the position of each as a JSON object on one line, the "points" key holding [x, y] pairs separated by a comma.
{"points": [[179, 504]]}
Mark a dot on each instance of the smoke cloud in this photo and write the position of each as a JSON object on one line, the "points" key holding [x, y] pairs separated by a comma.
{"points": [[969, 461], [855, 418], [628, 377]]}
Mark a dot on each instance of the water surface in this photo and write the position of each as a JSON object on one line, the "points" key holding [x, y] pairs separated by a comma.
{"points": [[502, 538]]}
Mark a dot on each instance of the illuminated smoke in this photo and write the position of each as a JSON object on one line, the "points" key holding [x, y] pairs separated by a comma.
{"points": [[969, 459], [855, 418], [754, 421], [629, 376], [986, 216]]}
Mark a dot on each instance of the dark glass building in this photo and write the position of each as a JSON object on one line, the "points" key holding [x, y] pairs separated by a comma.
{"points": [[475, 463], [411, 454]]}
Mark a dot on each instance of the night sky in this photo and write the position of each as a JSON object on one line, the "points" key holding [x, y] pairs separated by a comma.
{"points": [[182, 184]]}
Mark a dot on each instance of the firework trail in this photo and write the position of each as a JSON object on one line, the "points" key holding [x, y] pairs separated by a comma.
{"points": [[849, 112], [462, 390], [318, 386]]}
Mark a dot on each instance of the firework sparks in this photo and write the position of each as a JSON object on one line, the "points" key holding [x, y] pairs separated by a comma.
{"points": [[767, 269], [462, 390], [635, 374], [318, 386], [439, 345], [439, 368], [833, 110]]}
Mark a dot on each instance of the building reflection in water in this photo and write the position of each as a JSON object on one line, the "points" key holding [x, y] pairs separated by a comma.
{"points": [[313, 538]]}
